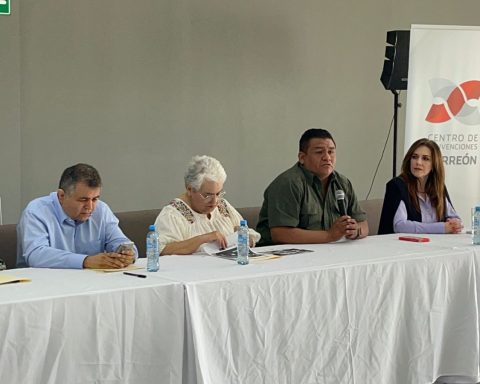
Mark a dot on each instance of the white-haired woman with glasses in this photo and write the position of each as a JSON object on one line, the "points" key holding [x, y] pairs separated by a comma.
{"points": [[200, 214]]}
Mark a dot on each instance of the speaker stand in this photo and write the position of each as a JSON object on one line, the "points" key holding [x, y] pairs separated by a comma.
{"points": [[396, 106]]}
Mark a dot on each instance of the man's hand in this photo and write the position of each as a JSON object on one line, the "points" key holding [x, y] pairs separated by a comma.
{"points": [[128, 252], [352, 231], [343, 226], [110, 260]]}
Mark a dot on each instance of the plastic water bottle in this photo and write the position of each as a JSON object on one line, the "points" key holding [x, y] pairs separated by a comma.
{"points": [[152, 250], [476, 225], [242, 243]]}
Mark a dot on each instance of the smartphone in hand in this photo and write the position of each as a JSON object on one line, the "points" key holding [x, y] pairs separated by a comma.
{"points": [[125, 247]]}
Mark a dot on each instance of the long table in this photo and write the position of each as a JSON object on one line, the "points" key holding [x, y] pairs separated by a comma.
{"points": [[378, 310], [80, 326]]}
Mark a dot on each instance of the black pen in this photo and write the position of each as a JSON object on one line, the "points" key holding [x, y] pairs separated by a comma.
{"points": [[134, 274]]}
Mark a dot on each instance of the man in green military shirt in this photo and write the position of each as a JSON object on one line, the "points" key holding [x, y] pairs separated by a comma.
{"points": [[300, 206]]}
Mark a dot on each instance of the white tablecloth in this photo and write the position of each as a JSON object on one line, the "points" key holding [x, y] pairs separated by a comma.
{"points": [[80, 326], [377, 310]]}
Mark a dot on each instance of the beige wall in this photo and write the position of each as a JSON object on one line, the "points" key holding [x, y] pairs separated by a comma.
{"points": [[10, 145], [137, 88]]}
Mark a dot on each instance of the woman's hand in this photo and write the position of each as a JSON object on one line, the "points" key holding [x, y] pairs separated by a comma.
{"points": [[218, 237], [453, 225]]}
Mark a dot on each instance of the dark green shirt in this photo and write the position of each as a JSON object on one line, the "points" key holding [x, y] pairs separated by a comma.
{"points": [[296, 199]]}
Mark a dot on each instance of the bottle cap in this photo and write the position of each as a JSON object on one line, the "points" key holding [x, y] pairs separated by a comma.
{"points": [[151, 227], [243, 222]]}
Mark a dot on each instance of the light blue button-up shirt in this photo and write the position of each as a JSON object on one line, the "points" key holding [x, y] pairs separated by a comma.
{"points": [[47, 237]]}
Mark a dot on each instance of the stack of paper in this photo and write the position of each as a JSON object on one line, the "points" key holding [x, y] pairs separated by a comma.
{"points": [[8, 279]]}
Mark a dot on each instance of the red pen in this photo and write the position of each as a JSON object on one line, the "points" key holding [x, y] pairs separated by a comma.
{"points": [[416, 239]]}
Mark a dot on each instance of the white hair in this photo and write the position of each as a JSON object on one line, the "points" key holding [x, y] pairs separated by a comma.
{"points": [[201, 168]]}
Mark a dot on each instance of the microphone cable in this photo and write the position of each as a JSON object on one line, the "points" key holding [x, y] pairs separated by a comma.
{"points": [[381, 158]]}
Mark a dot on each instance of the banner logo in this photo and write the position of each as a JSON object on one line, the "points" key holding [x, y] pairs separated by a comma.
{"points": [[459, 102]]}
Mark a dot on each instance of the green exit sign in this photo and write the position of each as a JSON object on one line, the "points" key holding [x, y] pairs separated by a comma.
{"points": [[4, 7]]}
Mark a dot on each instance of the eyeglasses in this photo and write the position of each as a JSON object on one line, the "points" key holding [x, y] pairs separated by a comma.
{"points": [[211, 196]]}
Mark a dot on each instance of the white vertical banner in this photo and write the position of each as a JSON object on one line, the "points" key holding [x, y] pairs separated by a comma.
{"points": [[443, 105]]}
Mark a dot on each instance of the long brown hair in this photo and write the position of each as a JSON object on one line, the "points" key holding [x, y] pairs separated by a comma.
{"points": [[435, 185]]}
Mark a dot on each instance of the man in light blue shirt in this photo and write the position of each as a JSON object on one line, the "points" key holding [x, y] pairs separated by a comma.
{"points": [[72, 228]]}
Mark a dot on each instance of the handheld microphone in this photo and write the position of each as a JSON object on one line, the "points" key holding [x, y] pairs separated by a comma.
{"points": [[340, 197]]}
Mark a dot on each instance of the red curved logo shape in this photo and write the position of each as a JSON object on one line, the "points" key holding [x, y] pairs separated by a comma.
{"points": [[456, 104]]}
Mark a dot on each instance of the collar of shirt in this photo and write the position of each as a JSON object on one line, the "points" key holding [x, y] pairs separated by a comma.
{"points": [[315, 181], [62, 217], [311, 177]]}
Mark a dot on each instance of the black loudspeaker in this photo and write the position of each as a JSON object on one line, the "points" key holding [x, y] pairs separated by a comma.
{"points": [[395, 67]]}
